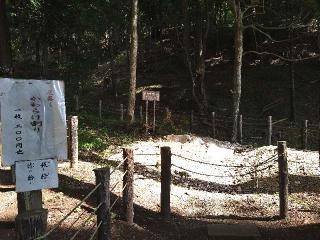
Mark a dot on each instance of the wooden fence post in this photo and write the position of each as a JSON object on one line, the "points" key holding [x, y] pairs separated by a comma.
{"points": [[191, 121], [154, 118], [127, 193], [305, 135], [73, 141], [77, 104], [100, 109], [213, 116], [269, 137], [31, 221], [165, 182], [240, 129], [147, 113], [141, 113], [121, 112], [283, 179], [103, 196], [319, 142]]}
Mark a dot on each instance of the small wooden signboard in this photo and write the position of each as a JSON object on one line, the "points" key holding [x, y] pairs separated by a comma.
{"points": [[155, 97], [151, 96]]}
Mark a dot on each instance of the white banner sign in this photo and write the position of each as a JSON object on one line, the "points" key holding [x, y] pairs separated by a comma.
{"points": [[33, 120], [36, 175]]}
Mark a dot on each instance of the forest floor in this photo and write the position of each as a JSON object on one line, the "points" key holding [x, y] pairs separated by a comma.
{"points": [[213, 182]]}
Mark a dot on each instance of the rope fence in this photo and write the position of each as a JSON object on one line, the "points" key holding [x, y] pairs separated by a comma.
{"points": [[102, 227]]}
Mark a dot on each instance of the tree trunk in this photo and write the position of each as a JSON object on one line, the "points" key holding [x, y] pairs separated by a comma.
{"points": [[292, 94], [133, 61], [292, 82], [44, 59], [5, 49], [199, 90], [186, 25], [238, 44]]}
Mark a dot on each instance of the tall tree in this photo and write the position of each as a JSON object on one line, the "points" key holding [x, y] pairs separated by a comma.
{"points": [[133, 61], [238, 45], [5, 49]]}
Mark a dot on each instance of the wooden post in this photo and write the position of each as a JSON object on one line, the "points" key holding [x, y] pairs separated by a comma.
{"points": [[73, 141], [141, 114], [127, 193], [154, 118], [269, 138], [121, 112], [280, 136], [240, 129], [77, 103], [31, 221], [165, 182], [100, 109], [147, 111], [283, 179], [319, 142], [191, 121], [213, 115], [305, 135], [103, 196]]}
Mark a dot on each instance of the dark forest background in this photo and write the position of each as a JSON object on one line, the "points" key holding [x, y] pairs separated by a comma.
{"points": [[257, 57]]}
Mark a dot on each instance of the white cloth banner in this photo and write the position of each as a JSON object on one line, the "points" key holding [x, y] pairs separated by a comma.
{"points": [[33, 120]]}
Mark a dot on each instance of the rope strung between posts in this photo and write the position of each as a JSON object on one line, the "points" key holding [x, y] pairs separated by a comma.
{"points": [[95, 231], [77, 219], [203, 174], [273, 158], [222, 165], [69, 213], [85, 221], [147, 154], [112, 205], [119, 165], [206, 163]]}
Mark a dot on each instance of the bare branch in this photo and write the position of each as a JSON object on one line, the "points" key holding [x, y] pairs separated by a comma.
{"points": [[265, 34], [281, 57], [290, 26]]}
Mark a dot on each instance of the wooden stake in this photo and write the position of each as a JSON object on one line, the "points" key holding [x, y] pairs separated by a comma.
{"points": [[122, 112], [165, 182], [191, 121], [240, 129], [213, 115], [147, 110], [141, 114], [77, 104], [269, 141], [154, 118], [305, 135], [127, 193], [31, 221], [73, 141], [103, 196], [283, 179], [100, 109]]}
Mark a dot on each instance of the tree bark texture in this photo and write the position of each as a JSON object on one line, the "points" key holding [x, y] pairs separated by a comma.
{"points": [[238, 44], [5, 49], [133, 61]]}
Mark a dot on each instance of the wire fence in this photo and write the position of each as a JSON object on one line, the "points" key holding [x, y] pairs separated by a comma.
{"points": [[102, 188], [254, 130]]}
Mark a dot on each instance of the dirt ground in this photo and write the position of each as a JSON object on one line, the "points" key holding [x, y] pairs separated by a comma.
{"points": [[195, 202]]}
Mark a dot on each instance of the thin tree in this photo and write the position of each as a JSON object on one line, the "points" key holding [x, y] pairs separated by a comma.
{"points": [[133, 61], [5, 49], [238, 45]]}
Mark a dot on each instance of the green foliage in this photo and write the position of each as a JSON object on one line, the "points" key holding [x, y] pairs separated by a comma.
{"points": [[103, 136]]}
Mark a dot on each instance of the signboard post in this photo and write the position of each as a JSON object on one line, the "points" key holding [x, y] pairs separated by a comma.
{"points": [[33, 137], [155, 97]]}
